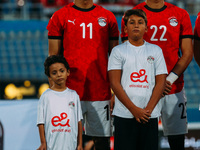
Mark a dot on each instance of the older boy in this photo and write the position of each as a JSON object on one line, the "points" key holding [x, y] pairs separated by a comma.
{"points": [[170, 28], [137, 73]]}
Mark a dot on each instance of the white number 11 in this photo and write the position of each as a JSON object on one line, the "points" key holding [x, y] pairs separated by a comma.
{"points": [[90, 26]]}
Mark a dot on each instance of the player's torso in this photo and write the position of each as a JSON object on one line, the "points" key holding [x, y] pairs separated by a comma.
{"points": [[164, 29], [86, 42], [85, 33]]}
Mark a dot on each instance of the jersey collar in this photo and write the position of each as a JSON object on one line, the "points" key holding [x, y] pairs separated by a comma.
{"points": [[82, 9], [155, 10]]}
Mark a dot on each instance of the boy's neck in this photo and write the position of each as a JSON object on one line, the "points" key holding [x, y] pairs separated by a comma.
{"points": [[84, 4], [136, 43], [58, 88], [155, 4]]}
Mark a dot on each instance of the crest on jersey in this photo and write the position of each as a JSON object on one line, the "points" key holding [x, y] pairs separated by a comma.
{"points": [[71, 104], [102, 22], [173, 21], [150, 59]]}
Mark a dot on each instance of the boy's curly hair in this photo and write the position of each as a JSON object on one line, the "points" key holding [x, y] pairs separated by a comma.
{"points": [[52, 60]]}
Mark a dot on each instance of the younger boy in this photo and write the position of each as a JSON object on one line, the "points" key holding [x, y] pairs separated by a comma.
{"points": [[59, 110], [137, 72]]}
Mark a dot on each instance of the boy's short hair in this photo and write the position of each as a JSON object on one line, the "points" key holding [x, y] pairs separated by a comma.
{"points": [[52, 60], [137, 12]]}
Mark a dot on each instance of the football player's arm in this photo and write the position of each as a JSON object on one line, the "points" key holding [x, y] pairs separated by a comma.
{"points": [[79, 146], [197, 51], [157, 92], [112, 43], [43, 145], [54, 46], [54, 49], [186, 58], [115, 81], [182, 64]]}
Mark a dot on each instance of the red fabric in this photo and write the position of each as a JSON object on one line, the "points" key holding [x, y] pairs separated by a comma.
{"points": [[86, 37]]}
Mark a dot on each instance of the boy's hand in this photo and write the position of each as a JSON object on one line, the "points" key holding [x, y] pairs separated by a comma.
{"points": [[141, 115], [112, 103], [168, 88], [42, 147]]}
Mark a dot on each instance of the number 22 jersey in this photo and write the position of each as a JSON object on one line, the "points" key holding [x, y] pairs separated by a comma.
{"points": [[85, 34], [166, 27]]}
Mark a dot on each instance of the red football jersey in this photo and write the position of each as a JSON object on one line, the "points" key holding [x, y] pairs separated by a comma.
{"points": [[85, 34], [166, 26], [197, 27]]}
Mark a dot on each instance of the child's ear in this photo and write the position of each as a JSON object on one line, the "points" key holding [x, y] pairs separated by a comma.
{"points": [[146, 29], [68, 72]]}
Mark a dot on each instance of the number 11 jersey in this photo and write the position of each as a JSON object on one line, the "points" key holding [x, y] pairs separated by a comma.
{"points": [[85, 34]]}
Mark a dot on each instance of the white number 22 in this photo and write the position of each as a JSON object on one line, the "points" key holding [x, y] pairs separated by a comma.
{"points": [[155, 31]]}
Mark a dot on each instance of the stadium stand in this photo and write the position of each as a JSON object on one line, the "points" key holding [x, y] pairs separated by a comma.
{"points": [[24, 47]]}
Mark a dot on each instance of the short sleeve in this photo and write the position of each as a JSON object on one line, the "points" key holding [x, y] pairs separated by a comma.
{"points": [[79, 110], [160, 65], [115, 60], [113, 27], [40, 111], [197, 27], [55, 26], [186, 26]]}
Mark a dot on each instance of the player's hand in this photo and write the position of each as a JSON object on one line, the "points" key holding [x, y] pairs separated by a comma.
{"points": [[112, 103], [167, 89], [141, 115], [42, 147], [79, 147]]}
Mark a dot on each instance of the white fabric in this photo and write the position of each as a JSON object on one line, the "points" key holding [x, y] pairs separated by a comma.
{"points": [[60, 113], [139, 67], [172, 77], [97, 118], [174, 116]]}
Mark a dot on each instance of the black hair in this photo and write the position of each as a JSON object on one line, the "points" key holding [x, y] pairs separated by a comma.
{"points": [[52, 60], [137, 12]]}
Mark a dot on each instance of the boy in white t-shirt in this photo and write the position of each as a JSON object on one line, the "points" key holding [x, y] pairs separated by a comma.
{"points": [[137, 73], [59, 110]]}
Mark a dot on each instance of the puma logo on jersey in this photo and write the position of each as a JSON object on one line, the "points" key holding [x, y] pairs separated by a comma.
{"points": [[72, 21]]}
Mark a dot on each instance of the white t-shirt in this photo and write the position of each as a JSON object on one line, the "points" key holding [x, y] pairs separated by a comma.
{"points": [[139, 67], [60, 113]]}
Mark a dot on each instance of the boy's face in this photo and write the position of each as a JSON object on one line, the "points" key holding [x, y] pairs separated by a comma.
{"points": [[58, 73], [135, 28]]}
